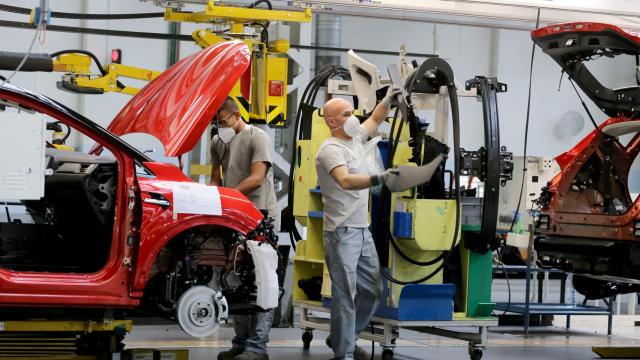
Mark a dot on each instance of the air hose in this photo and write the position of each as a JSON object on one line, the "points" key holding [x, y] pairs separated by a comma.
{"points": [[444, 75]]}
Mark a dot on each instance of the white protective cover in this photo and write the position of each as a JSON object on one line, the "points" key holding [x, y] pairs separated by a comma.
{"points": [[22, 156], [265, 260], [366, 80]]}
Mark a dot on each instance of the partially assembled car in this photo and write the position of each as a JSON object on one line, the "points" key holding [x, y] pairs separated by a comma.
{"points": [[589, 219], [115, 230]]}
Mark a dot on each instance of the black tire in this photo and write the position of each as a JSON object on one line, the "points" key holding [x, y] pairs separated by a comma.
{"points": [[475, 354], [307, 336], [387, 354]]}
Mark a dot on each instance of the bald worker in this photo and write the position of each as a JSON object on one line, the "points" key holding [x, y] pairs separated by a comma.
{"points": [[350, 253]]}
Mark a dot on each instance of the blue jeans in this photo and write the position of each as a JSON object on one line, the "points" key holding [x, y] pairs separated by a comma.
{"points": [[356, 286], [252, 331]]}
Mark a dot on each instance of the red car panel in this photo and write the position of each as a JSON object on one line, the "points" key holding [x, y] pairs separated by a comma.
{"points": [[583, 27], [178, 105], [107, 287], [159, 226]]}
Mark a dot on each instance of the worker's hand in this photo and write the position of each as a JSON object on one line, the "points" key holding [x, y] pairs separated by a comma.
{"points": [[391, 98], [386, 177]]}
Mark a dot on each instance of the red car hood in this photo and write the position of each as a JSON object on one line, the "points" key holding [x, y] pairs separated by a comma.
{"points": [[178, 105]]}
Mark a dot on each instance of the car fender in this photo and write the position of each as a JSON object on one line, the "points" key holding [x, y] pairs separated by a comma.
{"points": [[159, 225]]}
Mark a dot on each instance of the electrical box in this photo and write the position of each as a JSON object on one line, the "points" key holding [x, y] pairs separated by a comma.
{"points": [[22, 156], [540, 170]]}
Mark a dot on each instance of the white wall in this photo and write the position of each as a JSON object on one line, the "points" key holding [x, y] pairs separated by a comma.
{"points": [[18, 40]]}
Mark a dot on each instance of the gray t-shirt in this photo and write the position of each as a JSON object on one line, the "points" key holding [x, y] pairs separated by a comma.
{"points": [[343, 208], [251, 145]]}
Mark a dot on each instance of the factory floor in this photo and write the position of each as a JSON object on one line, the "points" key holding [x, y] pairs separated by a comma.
{"points": [[550, 342], [504, 342]]}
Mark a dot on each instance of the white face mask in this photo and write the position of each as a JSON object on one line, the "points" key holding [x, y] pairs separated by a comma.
{"points": [[351, 126], [225, 134]]}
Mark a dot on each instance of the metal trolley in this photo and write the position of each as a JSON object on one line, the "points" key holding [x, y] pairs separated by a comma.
{"points": [[386, 331]]}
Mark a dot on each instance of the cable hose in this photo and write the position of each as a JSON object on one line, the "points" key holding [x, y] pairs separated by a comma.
{"points": [[526, 132], [444, 70], [390, 156], [66, 15], [256, 3]]}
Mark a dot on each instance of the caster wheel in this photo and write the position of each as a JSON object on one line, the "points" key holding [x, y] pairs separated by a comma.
{"points": [[475, 354], [387, 354], [307, 336]]}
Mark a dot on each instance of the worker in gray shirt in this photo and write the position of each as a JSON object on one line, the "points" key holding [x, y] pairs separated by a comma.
{"points": [[241, 159], [350, 253]]}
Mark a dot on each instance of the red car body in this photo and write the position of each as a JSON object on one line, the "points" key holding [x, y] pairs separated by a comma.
{"points": [[588, 222], [176, 108]]}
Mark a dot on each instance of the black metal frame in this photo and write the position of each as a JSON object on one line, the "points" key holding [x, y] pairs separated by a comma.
{"points": [[493, 160]]}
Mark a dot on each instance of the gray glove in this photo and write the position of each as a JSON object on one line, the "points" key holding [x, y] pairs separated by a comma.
{"points": [[384, 178], [391, 98]]}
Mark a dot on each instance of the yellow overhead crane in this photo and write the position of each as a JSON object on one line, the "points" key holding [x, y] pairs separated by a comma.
{"points": [[261, 94]]}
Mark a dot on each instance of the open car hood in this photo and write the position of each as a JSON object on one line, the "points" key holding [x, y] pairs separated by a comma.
{"points": [[573, 44], [179, 104]]}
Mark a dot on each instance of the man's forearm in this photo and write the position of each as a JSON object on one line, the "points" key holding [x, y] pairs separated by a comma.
{"points": [[215, 175], [248, 185], [355, 182], [380, 113]]}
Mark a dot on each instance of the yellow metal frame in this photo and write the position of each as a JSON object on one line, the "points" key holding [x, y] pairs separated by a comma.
{"points": [[45, 339], [108, 82], [223, 14], [83, 326]]}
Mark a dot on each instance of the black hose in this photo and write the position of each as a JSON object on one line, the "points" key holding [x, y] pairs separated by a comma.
{"points": [[6, 209], [390, 157], [256, 3], [446, 74], [66, 15], [66, 136], [526, 132], [264, 34]]}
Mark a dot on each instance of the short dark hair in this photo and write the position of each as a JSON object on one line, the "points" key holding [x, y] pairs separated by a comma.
{"points": [[229, 105]]}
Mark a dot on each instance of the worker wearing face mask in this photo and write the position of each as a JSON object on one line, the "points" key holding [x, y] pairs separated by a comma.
{"points": [[349, 249], [241, 159]]}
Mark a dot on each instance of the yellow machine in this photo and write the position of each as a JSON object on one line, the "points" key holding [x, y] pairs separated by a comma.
{"points": [[261, 94], [63, 340], [77, 77]]}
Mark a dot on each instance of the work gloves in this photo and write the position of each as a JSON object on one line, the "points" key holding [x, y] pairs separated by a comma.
{"points": [[391, 98], [386, 177], [407, 177]]}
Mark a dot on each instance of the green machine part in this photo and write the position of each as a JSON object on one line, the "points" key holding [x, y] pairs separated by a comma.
{"points": [[477, 270]]}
